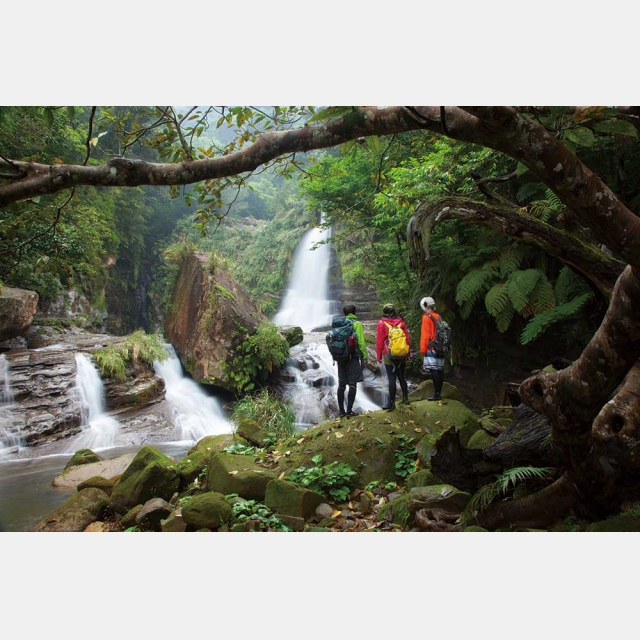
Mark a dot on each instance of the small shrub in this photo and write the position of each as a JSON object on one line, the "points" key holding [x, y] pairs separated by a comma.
{"points": [[332, 480], [274, 417], [258, 514], [406, 456]]}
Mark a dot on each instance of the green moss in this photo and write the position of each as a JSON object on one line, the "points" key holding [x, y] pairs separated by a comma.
{"points": [[396, 511], [83, 456]]}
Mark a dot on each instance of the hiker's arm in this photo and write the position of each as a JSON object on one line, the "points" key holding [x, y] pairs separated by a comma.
{"points": [[362, 345]]}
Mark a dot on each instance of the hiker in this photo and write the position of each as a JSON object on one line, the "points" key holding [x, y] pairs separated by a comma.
{"points": [[394, 361], [350, 371], [431, 361]]}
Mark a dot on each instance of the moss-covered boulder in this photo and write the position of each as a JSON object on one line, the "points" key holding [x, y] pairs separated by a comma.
{"points": [[252, 432], [501, 412], [441, 496], [108, 469], [422, 478], [368, 443], [98, 482], [293, 335], [129, 518], [208, 510], [151, 474], [425, 390], [83, 456], [191, 466], [395, 511], [229, 473], [77, 513], [629, 521], [287, 498], [480, 439], [174, 523], [212, 444]]}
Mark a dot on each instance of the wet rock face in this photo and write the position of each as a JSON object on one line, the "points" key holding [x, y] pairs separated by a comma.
{"points": [[17, 308], [208, 314], [46, 407]]}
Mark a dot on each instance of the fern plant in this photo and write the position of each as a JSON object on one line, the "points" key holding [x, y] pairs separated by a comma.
{"points": [[503, 483], [547, 209]]}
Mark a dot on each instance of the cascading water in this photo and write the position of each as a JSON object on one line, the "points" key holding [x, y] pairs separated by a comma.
{"points": [[8, 441], [310, 368], [99, 431], [305, 302], [195, 414]]}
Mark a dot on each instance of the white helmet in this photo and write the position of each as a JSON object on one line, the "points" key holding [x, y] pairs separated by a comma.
{"points": [[427, 303]]}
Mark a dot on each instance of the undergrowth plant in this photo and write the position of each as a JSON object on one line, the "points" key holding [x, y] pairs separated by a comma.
{"points": [[332, 480], [274, 417], [139, 347], [406, 456], [261, 517], [501, 486]]}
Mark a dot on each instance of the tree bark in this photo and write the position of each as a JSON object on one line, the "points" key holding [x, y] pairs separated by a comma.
{"points": [[590, 262]]}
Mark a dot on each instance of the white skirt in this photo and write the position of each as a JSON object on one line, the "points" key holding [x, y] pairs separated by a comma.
{"points": [[431, 361]]}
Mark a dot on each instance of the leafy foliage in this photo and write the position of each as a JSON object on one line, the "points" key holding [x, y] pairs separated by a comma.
{"points": [[333, 480], [405, 455], [139, 347], [501, 486], [275, 417], [256, 357], [258, 515]]}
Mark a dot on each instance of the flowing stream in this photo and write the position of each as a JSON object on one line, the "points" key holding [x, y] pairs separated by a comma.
{"points": [[8, 442]]}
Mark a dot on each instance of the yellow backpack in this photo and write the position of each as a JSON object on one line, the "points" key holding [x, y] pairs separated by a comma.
{"points": [[398, 347]]}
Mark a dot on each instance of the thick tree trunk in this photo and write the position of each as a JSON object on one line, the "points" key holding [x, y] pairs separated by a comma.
{"points": [[588, 260]]}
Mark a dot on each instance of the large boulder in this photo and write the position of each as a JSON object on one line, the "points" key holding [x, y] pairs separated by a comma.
{"points": [[17, 308], [212, 444], [82, 456], [77, 513], [208, 510], [425, 390], [208, 317], [73, 476], [229, 473], [151, 474], [286, 498], [368, 443]]}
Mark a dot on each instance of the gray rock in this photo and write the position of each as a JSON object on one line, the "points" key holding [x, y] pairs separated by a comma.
{"points": [[17, 308], [324, 510], [152, 512]]}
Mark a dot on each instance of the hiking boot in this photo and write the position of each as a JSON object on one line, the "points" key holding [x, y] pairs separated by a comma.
{"points": [[435, 396], [352, 413], [390, 407], [405, 400]]}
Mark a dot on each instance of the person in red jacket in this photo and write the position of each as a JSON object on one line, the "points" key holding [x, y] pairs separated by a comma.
{"points": [[395, 369], [427, 334]]}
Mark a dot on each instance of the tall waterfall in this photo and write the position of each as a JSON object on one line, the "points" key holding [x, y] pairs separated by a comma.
{"points": [[305, 303], [195, 414], [99, 430], [7, 439]]}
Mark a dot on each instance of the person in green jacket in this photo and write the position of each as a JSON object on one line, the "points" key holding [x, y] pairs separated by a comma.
{"points": [[351, 371]]}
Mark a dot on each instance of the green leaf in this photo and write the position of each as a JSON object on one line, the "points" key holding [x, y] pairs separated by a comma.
{"points": [[373, 144], [621, 127], [317, 459], [569, 145], [521, 169], [329, 113], [581, 136]]}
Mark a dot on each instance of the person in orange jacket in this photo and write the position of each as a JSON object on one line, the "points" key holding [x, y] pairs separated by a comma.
{"points": [[427, 334], [394, 369]]}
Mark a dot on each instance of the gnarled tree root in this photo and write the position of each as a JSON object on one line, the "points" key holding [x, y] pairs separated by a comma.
{"points": [[540, 509]]}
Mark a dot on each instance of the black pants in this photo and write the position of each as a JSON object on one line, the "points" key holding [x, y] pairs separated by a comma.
{"points": [[437, 375], [349, 373], [393, 371]]}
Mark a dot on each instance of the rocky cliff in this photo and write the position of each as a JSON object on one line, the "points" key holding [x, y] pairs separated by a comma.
{"points": [[209, 315]]}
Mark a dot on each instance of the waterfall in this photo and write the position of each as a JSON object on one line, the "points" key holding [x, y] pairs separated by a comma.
{"points": [[99, 430], [8, 441], [305, 303], [310, 371], [195, 414]]}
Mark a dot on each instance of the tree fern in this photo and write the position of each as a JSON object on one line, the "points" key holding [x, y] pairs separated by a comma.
{"points": [[511, 259], [568, 285], [486, 494], [541, 322], [473, 285], [503, 319], [542, 297], [530, 189], [548, 208], [520, 286], [497, 299]]}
